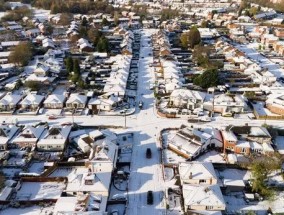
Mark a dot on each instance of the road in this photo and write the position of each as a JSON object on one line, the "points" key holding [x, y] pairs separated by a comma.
{"points": [[146, 174]]}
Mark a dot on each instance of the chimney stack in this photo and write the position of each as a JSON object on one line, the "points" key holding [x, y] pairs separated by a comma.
{"points": [[190, 175]]}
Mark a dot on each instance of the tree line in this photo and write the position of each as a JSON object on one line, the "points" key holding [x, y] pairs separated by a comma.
{"points": [[69, 6]]}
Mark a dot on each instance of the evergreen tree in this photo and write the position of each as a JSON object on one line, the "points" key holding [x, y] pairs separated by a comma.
{"points": [[69, 64], [194, 37], [76, 67]]}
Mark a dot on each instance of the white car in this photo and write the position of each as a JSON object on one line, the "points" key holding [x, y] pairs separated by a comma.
{"points": [[118, 197], [114, 212]]}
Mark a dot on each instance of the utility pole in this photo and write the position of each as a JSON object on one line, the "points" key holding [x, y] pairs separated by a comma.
{"points": [[124, 118], [124, 112]]}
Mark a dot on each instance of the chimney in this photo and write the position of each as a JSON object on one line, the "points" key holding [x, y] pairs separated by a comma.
{"points": [[190, 175]]}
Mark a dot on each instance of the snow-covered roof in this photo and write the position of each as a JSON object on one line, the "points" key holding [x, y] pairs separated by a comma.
{"points": [[196, 170], [55, 99], [76, 98], [206, 195], [7, 132], [29, 134], [188, 94], [55, 135], [10, 99], [32, 99]]}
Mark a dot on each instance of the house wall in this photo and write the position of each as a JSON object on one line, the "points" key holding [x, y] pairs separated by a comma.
{"points": [[204, 207], [229, 144], [239, 150], [25, 144], [53, 106], [75, 105], [50, 147], [199, 181], [104, 107]]}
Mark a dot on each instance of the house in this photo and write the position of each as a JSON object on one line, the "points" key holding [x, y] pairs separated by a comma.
{"points": [[8, 45], [247, 140], [54, 101], [84, 45], [105, 149], [9, 102], [268, 40], [275, 103], [48, 43], [184, 98], [190, 142], [76, 101], [199, 187], [54, 139], [197, 173], [226, 104], [203, 198], [31, 102], [91, 201], [29, 136], [279, 33], [32, 33], [7, 132], [104, 103], [86, 177]]}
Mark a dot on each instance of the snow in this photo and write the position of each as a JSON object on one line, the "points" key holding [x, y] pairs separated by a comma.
{"points": [[279, 141], [236, 202], [40, 190], [36, 167], [41, 14], [251, 51], [212, 156], [146, 174], [35, 210]]}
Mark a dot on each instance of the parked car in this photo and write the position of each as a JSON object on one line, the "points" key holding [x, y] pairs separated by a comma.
{"points": [[150, 198], [52, 117], [66, 123], [148, 153], [114, 212], [118, 197], [140, 104]]}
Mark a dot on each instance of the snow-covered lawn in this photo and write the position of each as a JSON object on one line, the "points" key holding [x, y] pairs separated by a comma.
{"points": [[34, 210], [212, 156], [40, 190], [169, 157]]}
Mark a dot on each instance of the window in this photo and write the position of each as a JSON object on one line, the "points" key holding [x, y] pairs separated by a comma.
{"points": [[209, 207]]}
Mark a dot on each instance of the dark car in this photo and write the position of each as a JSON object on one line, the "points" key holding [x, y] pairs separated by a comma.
{"points": [[150, 198], [148, 153]]}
